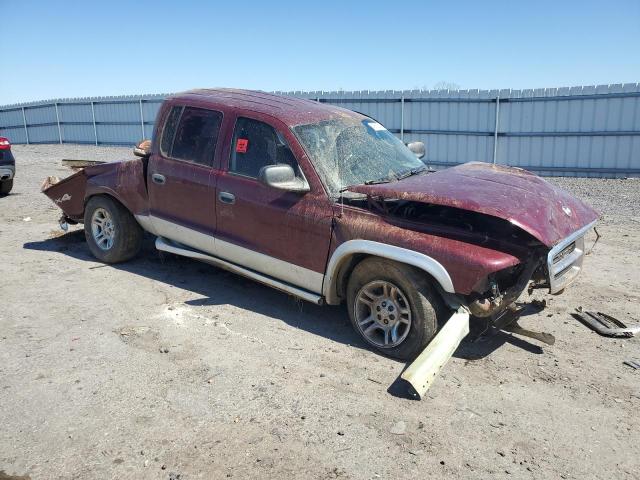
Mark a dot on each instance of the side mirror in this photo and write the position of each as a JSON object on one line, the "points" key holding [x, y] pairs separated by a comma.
{"points": [[418, 149], [142, 149], [282, 177]]}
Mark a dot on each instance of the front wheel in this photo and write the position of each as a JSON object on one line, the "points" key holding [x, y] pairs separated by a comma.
{"points": [[113, 235], [393, 307], [6, 186]]}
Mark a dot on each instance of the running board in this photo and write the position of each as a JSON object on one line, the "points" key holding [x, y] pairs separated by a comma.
{"points": [[166, 245]]}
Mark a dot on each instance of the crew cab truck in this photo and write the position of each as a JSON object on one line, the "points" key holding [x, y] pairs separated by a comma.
{"points": [[7, 166], [327, 205]]}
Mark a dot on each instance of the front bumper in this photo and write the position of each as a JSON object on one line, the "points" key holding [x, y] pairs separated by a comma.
{"points": [[564, 261], [7, 172]]}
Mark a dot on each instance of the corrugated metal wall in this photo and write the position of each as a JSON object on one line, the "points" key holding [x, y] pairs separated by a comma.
{"points": [[587, 131]]}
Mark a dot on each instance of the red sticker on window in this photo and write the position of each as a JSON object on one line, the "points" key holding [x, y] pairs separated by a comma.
{"points": [[241, 145]]}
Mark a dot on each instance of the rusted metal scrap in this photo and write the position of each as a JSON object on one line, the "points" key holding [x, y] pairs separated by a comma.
{"points": [[543, 337], [635, 364], [509, 321], [604, 324]]}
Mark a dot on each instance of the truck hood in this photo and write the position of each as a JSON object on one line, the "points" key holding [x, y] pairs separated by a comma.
{"points": [[527, 201]]}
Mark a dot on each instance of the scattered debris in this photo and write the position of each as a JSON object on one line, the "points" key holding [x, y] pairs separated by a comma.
{"points": [[543, 337], [26, 219], [399, 428], [509, 321], [539, 304], [6, 476], [604, 324], [635, 364]]}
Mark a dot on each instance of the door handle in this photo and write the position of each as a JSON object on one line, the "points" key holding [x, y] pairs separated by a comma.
{"points": [[158, 178], [226, 197]]}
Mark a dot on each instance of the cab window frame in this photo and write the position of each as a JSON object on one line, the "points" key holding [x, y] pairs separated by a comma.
{"points": [[232, 145], [183, 107]]}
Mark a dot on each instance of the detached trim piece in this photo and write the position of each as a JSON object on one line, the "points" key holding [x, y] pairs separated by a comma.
{"points": [[424, 369], [166, 245], [605, 324], [403, 255]]}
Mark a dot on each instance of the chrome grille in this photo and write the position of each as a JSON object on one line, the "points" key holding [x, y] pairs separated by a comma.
{"points": [[564, 261]]}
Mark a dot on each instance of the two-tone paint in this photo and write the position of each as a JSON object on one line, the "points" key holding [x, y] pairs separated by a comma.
{"points": [[307, 243]]}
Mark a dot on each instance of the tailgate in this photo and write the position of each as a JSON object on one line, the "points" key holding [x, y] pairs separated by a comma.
{"points": [[68, 194]]}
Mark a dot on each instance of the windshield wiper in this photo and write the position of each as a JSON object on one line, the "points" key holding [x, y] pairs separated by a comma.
{"points": [[411, 172], [376, 182]]}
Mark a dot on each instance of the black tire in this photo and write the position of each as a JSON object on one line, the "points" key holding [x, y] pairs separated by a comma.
{"points": [[426, 307], [6, 186], [127, 234]]}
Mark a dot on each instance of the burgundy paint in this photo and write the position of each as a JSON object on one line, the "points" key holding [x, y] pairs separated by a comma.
{"points": [[512, 194], [467, 264], [297, 228]]}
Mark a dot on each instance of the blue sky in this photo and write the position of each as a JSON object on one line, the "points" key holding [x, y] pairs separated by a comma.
{"points": [[54, 49]]}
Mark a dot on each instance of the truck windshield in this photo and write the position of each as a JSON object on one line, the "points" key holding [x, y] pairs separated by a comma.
{"points": [[351, 151]]}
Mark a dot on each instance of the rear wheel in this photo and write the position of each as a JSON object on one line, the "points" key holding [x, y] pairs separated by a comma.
{"points": [[113, 235], [6, 186], [393, 307]]}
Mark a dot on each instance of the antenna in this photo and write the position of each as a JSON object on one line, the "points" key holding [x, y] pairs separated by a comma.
{"points": [[341, 187]]}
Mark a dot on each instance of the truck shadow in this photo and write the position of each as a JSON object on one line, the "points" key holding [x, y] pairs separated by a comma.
{"points": [[219, 287]]}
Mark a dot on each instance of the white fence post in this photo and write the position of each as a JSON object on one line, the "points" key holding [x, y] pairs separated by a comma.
{"points": [[495, 131], [58, 122], [141, 119], [26, 130], [95, 128], [402, 118]]}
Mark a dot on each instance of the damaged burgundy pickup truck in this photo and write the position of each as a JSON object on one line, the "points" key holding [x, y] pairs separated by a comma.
{"points": [[327, 205]]}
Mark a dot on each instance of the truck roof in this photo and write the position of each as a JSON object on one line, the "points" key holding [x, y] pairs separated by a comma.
{"points": [[290, 110]]}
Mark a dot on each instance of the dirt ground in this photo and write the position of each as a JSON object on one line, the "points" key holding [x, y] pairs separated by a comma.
{"points": [[171, 369]]}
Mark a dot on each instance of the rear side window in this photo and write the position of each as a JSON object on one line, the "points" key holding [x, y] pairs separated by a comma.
{"points": [[255, 145], [195, 136]]}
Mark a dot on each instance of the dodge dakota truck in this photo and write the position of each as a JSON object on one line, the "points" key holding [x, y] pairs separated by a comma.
{"points": [[327, 205]]}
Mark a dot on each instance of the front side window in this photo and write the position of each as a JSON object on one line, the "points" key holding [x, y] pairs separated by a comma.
{"points": [[169, 131], [255, 145], [195, 136], [351, 150]]}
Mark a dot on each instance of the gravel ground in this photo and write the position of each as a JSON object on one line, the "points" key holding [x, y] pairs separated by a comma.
{"points": [[167, 368], [618, 200]]}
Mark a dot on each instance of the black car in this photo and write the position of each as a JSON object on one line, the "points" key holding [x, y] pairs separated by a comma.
{"points": [[7, 166]]}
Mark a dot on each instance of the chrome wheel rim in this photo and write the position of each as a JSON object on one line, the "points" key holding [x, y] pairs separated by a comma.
{"points": [[383, 314], [103, 229]]}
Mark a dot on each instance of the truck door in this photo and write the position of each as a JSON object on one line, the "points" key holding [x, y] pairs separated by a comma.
{"points": [[281, 234], [180, 177]]}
